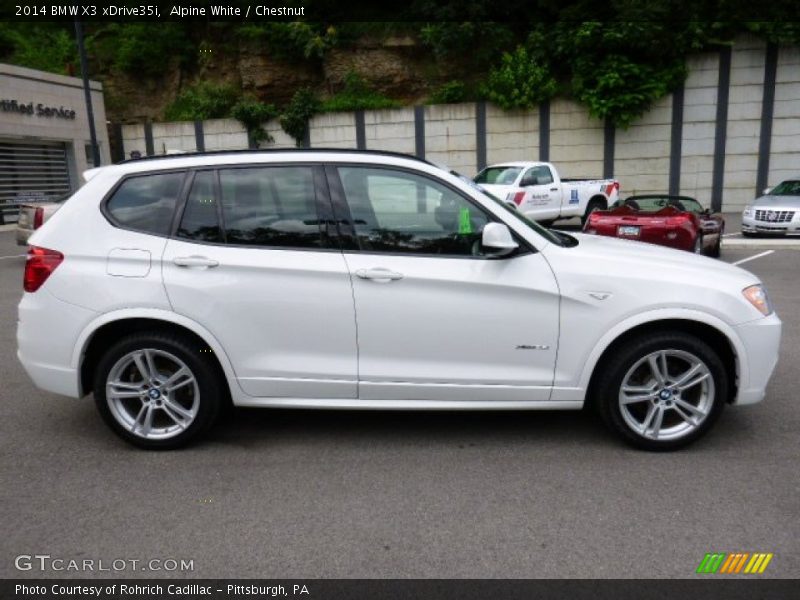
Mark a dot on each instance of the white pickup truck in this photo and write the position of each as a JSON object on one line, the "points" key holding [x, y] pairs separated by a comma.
{"points": [[539, 193]]}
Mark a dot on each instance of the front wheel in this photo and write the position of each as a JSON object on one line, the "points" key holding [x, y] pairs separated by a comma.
{"points": [[158, 390], [663, 392]]}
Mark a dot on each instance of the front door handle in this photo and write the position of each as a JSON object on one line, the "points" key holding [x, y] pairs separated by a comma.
{"points": [[553, 189], [379, 274], [195, 261]]}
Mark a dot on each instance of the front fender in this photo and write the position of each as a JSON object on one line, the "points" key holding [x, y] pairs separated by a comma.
{"points": [[664, 314]]}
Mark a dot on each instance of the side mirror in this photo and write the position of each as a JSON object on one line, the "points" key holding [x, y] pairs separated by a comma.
{"points": [[497, 240], [767, 191]]}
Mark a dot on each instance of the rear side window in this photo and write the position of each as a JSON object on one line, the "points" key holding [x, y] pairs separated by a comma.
{"points": [[146, 202], [270, 206], [200, 219]]}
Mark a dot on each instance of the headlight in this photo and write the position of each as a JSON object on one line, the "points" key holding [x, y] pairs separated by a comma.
{"points": [[748, 211], [757, 296]]}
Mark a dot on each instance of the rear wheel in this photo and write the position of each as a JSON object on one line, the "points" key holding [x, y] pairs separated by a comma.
{"points": [[663, 392], [594, 204], [157, 391]]}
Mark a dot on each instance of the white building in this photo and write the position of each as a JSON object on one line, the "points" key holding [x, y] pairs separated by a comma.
{"points": [[44, 133]]}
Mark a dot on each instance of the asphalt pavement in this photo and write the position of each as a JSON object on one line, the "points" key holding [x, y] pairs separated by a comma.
{"points": [[301, 494]]}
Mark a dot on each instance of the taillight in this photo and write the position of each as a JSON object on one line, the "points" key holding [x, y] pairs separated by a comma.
{"points": [[38, 217], [40, 264]]}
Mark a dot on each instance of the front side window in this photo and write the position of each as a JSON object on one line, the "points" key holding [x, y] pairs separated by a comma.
{"points": [[395, 211], [146, 202], [270, 206]]}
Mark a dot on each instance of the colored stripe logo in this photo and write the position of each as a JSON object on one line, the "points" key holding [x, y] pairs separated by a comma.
{"points": [[735, 562]]}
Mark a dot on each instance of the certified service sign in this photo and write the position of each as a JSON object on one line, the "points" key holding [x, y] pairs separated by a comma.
{"points": [[38, 110]]}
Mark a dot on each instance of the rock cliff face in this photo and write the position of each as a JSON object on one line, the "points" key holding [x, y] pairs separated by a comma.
{"points": [[398, 67]]}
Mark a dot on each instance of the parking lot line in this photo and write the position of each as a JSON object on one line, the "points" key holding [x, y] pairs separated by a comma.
{"points": [[755, 256], [12, 256], [731, 234]]}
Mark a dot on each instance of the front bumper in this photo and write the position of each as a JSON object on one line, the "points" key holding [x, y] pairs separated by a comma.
{"points": [[752, 225], [761, 340]]}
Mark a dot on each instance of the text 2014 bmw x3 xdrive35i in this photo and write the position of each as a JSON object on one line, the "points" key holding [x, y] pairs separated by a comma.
{"points": [[337, 279]]}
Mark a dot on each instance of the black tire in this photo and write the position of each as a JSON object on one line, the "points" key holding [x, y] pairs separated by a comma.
{"points": [[548, 223], [607, 389], [716, 250], [594, 204], [210, 386]]}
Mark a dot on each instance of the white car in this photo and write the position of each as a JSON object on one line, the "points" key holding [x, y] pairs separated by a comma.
{"points": [[539, 192], [169, 287], [777, 212]]}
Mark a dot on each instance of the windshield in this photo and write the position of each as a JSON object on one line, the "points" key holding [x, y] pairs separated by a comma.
{"points": [[550, 236], [787, 188], [656, 203], [498, 175]]}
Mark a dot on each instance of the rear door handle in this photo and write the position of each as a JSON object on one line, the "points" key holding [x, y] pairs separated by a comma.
{"points": [[379, 274], [195, 261]]}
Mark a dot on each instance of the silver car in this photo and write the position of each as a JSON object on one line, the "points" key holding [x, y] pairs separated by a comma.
{"points": [[776, 212]]}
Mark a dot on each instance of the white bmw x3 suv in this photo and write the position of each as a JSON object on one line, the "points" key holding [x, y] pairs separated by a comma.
{"points": [[171, 287]]}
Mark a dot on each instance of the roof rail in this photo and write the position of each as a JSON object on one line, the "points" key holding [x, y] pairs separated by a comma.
{"points": [[275, 151]]}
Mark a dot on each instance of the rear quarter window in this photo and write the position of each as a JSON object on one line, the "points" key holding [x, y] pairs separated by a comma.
{"points": [[146, 202]]}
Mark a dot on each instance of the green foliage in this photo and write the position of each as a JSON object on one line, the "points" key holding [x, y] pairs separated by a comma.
{"points": [[619, 69], [357, 95], [296, 40], [253, 114], [475, 43], [451, 92], [142, 49], [294, 119], [47, 47], [203, 101], [519, 81]]}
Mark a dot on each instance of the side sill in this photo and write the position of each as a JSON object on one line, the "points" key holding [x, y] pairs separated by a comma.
{"points": [[355, 404]]}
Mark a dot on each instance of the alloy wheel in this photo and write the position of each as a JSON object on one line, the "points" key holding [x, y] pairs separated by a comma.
{"points": [[152, 394], [666, 395]]}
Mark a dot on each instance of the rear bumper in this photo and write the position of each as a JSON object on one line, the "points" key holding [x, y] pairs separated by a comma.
{"points": [[47, 330], [761, 340]]}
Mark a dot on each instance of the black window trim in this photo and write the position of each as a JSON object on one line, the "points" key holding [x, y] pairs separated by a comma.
{"points": [[329, 240], [104, 210], [344, 219]]}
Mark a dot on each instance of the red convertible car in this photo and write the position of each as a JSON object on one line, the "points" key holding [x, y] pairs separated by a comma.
{"points": [[675, 221]]}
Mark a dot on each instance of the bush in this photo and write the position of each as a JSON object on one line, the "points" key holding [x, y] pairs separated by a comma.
{"points": [[204, 100], [253, 114], [46, 47], [296, 40], [294, 119], [142, 49], [519, 81], [357, 95], [449, 93]]}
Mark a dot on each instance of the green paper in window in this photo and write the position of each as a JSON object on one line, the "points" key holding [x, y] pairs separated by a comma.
{"points": [[464, 222]]}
